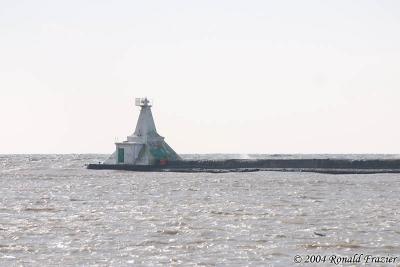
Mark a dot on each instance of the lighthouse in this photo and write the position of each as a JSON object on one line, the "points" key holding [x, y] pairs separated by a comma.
{"points": [[145, 146]]}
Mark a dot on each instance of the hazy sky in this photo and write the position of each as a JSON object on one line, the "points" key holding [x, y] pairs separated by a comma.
{"points": [[225, 76]]}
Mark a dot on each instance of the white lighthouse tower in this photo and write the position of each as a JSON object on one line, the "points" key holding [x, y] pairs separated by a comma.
{"points": [[145, 146]]}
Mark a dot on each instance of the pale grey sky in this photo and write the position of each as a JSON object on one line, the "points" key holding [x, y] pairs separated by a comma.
{"points": [[225, 76]]}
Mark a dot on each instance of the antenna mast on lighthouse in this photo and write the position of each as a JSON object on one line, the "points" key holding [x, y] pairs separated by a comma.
{"points": [[143, 102]]}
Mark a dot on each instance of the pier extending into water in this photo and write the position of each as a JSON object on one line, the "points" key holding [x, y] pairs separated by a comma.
{"points": [[146, 150], [333, 166]]}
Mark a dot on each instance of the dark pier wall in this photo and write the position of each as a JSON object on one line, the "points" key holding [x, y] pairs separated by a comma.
{"points": [[290, 163], [319, 165]]}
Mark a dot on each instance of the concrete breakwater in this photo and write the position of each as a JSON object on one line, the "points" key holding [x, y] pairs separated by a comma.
{"points": [[334, 166]]}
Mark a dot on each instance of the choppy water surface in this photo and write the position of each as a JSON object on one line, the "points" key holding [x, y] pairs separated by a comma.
{"points": [[55, 212]]}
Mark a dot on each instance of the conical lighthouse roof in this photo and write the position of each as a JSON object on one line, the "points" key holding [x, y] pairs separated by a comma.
{"points": [[145, 125]]}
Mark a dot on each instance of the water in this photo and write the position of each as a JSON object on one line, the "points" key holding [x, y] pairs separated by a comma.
{"points": [[54, 212]]}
